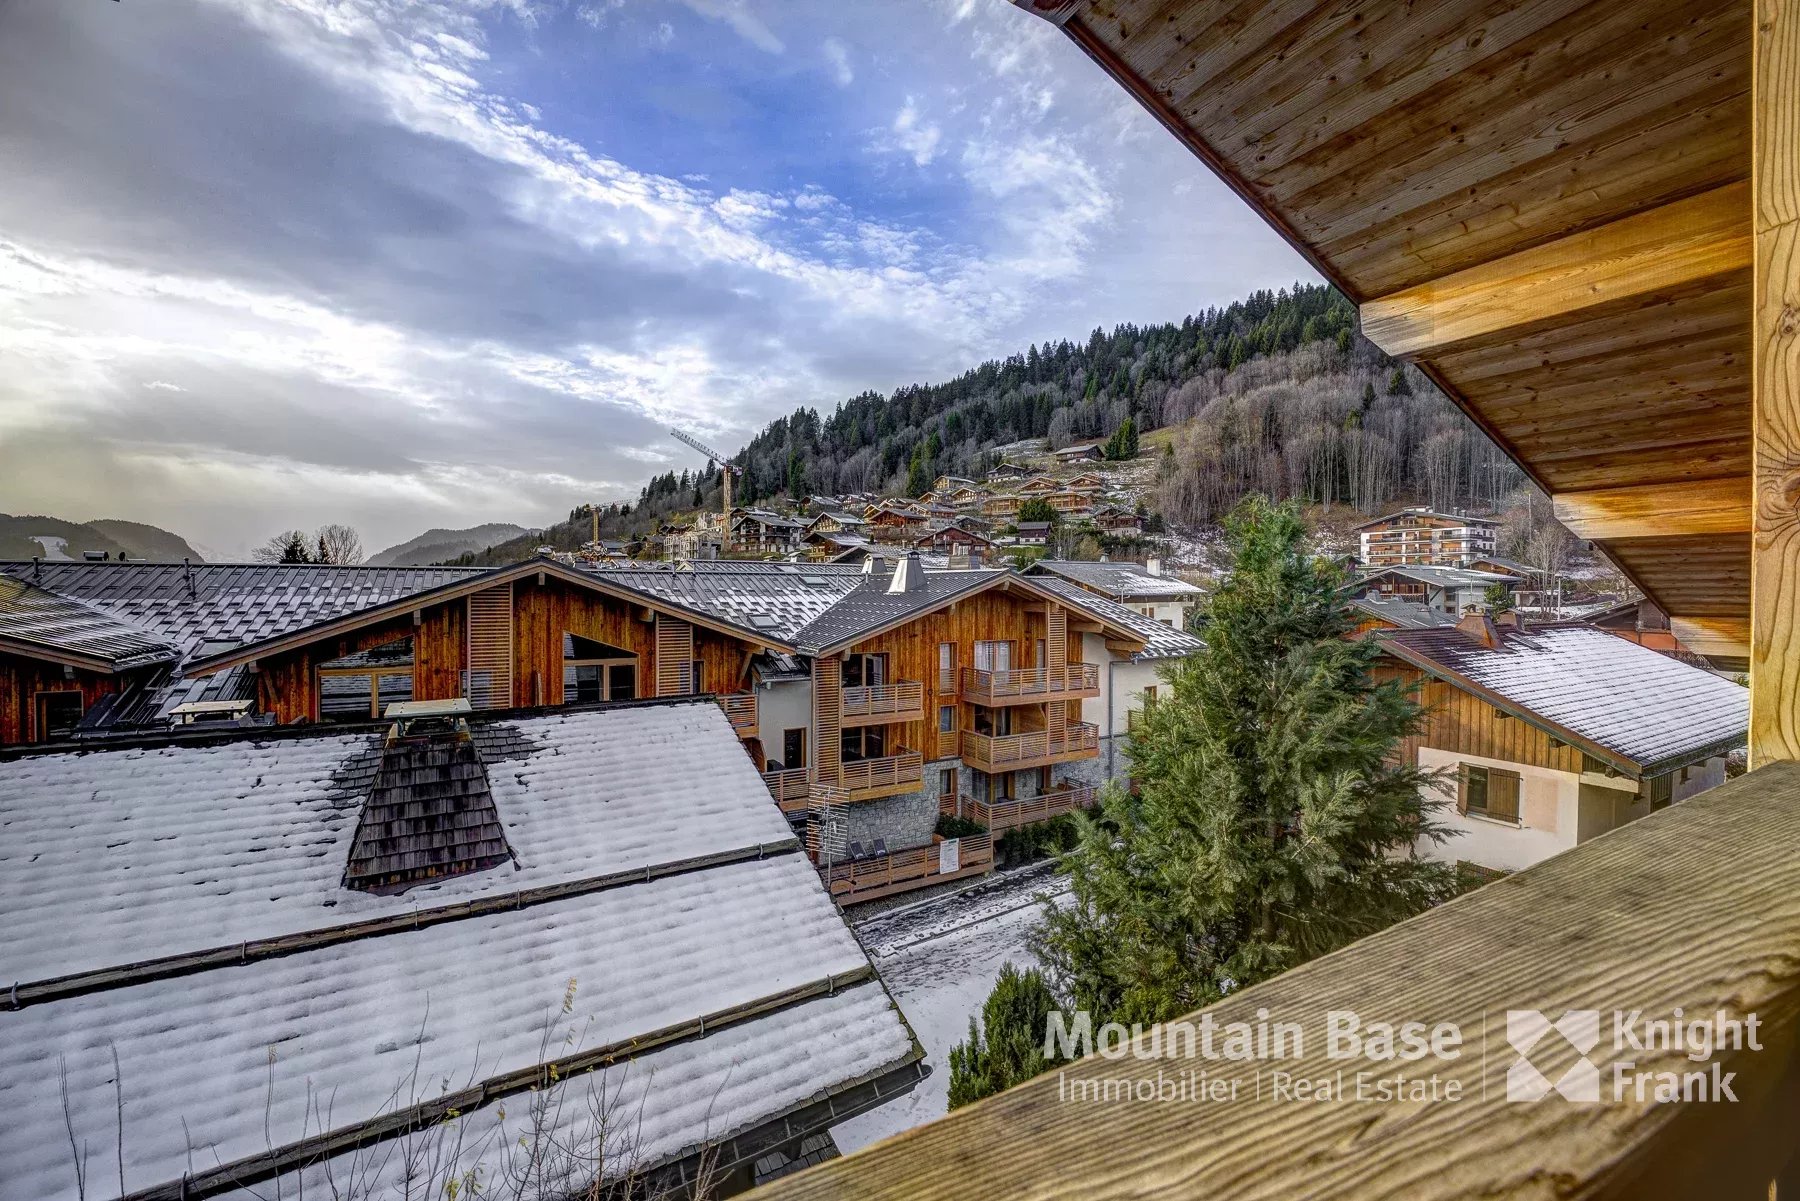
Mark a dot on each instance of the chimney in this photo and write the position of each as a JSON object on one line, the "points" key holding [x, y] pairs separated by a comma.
{"points": [[1480, 628], [909, 574], [1153, 566], [1512, 619]]}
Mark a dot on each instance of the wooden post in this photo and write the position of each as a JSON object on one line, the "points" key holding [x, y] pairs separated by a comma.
{"points": [[1775, 381]]}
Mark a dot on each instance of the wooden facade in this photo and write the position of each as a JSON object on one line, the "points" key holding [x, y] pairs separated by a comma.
{"points": [[23, 681]]}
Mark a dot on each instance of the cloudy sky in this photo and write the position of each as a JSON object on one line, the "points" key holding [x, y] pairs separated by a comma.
{"points": [[267, 263]]}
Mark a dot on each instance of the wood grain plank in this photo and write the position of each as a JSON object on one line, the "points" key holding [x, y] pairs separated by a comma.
{"points": [[1657, 510], [1701, 238], [1775, 378], [1724, 636], [1696, 906]]}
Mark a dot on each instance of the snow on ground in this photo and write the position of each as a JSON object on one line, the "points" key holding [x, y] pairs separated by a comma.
{"points": [[940, 960]]}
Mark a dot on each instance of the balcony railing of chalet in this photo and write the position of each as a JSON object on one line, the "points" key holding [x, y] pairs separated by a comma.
{"points": [[789, 788], [1025, 685], [1695, 907], [898, 871], [740, 710], [864, 779], [1033, 748], [1012, 812], [903, 700]]}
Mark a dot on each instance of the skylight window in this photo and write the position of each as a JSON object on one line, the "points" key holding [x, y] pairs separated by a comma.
{"points": [[763, 621]]}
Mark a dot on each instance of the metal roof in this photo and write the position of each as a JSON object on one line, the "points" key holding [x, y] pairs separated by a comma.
{"points": [[1464, 518], [1406, 615], [203, 607], [1161, 641], [658, 901], [785, 596], [1120, 581], [39, 623], [1648, 709], [870, 606], [1442, 577]]}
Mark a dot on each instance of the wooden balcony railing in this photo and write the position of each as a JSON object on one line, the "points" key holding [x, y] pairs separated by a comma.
{"points": [[1028, 685], [740, 709], [789, 788], [1034, 748], [866, 779], [868, 704], [1693, 908], [1011, 813], [898, 871]]}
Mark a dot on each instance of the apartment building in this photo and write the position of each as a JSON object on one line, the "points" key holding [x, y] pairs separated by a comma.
{"points": [[868, 697], [1146, 589], [1425, 536]]}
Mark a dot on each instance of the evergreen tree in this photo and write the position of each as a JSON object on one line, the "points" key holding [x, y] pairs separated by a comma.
{"points": [[1007, 1045], [1037, 509], [1398, 384], [1269, 809], [796, 476], [1123, 444], [918, 479]]}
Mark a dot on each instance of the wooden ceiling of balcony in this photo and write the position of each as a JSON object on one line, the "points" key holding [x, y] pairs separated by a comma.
{"points": [[1544, 203]]}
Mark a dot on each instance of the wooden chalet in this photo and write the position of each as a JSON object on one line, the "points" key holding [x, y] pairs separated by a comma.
{"points": [[1582, 221], [846, 687], [1002, 507], [949, 539], [1039, 485], [1080, 452], [1086, 481], [1005, 473]]}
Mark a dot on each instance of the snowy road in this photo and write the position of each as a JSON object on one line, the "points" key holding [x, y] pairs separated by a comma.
{"points": [[939, 961]]}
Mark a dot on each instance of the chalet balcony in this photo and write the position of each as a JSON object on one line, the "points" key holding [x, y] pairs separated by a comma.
{"points": [[1012, 812], [1030, 685], [740, 710], [878, 704], [874, 876], [1033, 748], [789, 788], [888, 775]]}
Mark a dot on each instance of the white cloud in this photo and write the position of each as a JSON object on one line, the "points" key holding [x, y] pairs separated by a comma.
{"points": [[837, 55], [163, 385], [747, 25], [914, 137]]}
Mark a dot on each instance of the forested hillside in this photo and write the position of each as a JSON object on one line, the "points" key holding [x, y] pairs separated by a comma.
{"points": [[1277, 393], [1284, 395]]}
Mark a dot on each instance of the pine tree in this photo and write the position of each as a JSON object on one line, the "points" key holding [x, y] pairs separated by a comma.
{"points": [[1398, 384], [918, 479], [1007, 1046], [1269, 808]]}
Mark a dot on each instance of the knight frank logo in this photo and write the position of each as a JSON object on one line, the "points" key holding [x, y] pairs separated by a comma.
{"points": [[1526, 1030]]}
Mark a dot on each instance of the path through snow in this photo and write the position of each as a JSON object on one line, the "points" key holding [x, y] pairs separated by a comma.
{"points": [[939, 960]]}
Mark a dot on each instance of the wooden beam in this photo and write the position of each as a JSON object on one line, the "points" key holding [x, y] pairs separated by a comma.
{"points": [[1657, 510], [1775, 384], [1727, 637], [1690, 241]]}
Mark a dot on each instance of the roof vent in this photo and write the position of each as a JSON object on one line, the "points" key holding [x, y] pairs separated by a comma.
{"points": [[430, 812], [909, 574]]}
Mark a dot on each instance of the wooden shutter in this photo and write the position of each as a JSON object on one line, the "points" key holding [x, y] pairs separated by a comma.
{"points": [[1462, 787], [1503, 794], [1056, 667], [828, 719], [674, 654], [490, 649]]}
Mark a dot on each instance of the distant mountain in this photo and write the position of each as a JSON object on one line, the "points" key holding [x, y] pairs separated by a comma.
{"points": [[30, 537], [145, 541], [437, 546]]}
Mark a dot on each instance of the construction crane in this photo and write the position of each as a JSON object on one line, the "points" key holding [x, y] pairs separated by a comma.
{"points": [[726, 469]]}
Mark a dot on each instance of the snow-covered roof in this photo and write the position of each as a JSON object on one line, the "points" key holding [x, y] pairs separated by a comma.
{"points": [[1161, 641], [1405, 615], [1120, 581], [1647, 710], [870, 605], [204, 606], [1433, 514], [661, 906], [39, 623], [1442, 577], [773, 599]]}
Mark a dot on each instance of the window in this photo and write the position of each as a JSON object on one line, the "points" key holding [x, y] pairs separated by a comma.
{"points": [[58, 713], [946, 667], [865, 742], [793, 748], [1488, 792], [864, 670], [993, 656], [996, 723], [1660, 790], [586, 683], [360, 686], [946, 718], [947, 782]]}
